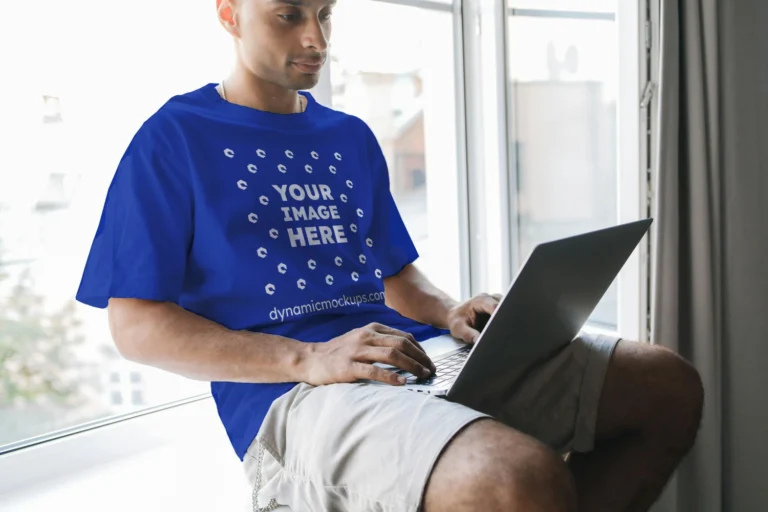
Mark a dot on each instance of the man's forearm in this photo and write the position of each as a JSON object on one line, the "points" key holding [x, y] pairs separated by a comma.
{"points": [[168, 337], [412, 295]]}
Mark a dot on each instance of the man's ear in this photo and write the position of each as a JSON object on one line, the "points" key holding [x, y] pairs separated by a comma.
{"points": [[226, 12]]}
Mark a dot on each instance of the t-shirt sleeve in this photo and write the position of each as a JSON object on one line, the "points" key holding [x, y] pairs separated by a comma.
{"points": [[392, 244], [145, 231]]}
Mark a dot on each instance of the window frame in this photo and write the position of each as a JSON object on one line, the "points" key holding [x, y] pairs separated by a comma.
{"points": [[632, 190], [490, 187]]}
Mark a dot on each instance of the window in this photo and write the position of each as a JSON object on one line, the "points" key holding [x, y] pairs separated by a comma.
{"points": [[563, 99], [503, 126], [403, 87], [117, 398], [137, 397], [64, 124]]}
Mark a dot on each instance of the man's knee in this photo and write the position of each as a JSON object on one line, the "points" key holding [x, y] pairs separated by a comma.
{"points": [[685, 396], [652, 390], [492, 467]]}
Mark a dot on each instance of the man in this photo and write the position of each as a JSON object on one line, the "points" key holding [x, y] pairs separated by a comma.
{"points": [[249, 239]]}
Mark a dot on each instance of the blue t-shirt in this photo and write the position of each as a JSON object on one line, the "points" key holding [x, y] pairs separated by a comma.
{"points": [[281, 224]]}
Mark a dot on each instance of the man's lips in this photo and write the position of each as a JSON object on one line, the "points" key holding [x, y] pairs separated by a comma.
{"points": [[308, 66]]}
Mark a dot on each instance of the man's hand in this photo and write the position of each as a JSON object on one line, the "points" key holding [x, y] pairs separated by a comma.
{"points": [[463, 319], [350, 357]]}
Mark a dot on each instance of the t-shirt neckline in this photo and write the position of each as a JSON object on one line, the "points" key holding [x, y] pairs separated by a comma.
{"points": [[272, 119]]}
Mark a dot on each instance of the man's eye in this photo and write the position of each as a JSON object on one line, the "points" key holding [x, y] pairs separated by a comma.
{"points": [[326, 16], [289, 17]]}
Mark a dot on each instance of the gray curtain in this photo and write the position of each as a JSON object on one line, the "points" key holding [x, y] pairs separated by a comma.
{"points": [[711, 261]]}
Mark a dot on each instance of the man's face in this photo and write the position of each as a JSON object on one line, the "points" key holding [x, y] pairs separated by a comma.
{"points": [[285, 42]]}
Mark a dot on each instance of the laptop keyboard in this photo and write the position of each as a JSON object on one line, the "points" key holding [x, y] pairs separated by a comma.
{"points": [[447, 369]]}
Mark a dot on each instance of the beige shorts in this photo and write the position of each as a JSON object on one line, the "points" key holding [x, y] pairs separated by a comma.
{"points": [[362, 447]]}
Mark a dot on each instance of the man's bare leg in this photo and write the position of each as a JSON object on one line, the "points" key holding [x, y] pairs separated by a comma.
{"points": [[648, 418], [489, 466]]}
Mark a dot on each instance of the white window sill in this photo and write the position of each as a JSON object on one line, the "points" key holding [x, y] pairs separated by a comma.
{"points": [[175, 459]]}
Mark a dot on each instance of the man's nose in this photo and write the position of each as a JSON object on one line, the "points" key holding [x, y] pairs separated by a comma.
{"points": [[314, 36]]}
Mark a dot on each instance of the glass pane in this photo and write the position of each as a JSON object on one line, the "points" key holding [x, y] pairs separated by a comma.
{"points": [[68, 108], [403, 87], [563, 87]]}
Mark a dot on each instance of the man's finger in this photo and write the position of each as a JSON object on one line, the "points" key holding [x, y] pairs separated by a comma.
{"points": [[466, 333], [370, 372], [412, 350], [485, 305], [497, 296], [393, 357]]}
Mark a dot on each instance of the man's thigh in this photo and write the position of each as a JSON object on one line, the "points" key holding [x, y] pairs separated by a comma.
{"points": [[351, 447]]}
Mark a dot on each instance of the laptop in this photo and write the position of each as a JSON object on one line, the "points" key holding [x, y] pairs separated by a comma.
{"points": [[544, 309]]}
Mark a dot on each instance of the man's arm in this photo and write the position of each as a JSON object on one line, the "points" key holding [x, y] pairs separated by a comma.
{"points": [[412, 295], [166, 336]]}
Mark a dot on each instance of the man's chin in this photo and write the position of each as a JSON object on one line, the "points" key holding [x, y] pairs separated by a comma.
{"points": [[300, 81], [305, 82]]}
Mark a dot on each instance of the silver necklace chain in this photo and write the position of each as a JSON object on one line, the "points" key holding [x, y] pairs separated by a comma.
{"points": [[302, 100]]}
